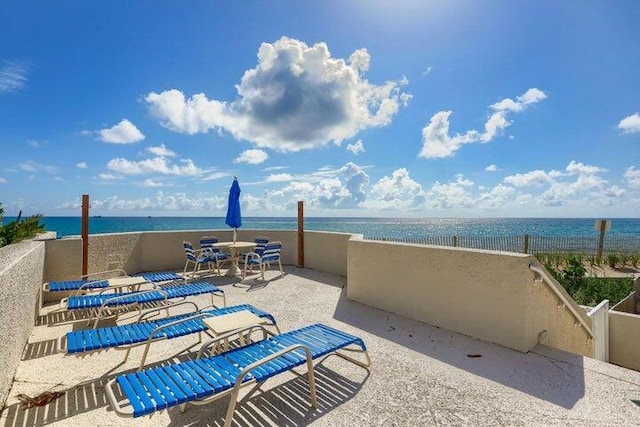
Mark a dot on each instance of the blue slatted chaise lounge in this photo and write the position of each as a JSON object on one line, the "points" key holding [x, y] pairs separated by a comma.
{"points": [[89, 281], [207, 379], [125, 337], [102, 303]]}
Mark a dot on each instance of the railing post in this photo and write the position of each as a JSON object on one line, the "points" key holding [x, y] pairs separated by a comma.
{"points": [[85, 234], [300, 234], [455, 241], [526, 244], [603, 229]]}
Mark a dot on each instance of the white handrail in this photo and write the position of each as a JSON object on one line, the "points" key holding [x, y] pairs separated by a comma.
{"points": [[537, 268]]}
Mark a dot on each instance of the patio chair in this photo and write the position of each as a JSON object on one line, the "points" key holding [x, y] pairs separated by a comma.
{"points": [[145, 332], [197, 257], [270, 254], [207, 379], [103, 303], [207, 246], [261, 242]]}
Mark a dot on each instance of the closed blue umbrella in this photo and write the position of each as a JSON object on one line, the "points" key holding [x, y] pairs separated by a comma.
{"points": [[234, 218]]}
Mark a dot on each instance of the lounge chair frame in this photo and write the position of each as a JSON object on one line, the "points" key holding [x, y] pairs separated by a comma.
{"points": [[203, 381], [99, 308], [167, 328]]}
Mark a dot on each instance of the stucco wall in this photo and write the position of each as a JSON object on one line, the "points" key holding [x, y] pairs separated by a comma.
{"points": [[148, 251], [624, 336], [326, 251], [492, 296], [21, 266]]}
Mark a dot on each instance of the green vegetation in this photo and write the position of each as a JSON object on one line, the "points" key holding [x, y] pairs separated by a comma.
{"points": [[589, 291], [19, 229]]}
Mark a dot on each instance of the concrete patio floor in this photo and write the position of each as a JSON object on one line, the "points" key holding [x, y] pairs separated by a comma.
{"points": [[421, 375]]}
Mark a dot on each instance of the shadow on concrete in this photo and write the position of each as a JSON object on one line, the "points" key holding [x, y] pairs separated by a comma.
{"points": [[555, 376], [286, 404], [76, 400], [40, 349]]}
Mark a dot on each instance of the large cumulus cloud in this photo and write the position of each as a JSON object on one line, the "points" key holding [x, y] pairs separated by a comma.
{"points": [[297, 97]]}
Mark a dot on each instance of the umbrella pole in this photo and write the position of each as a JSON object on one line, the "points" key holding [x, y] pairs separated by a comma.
{"points": [[235, 235]]}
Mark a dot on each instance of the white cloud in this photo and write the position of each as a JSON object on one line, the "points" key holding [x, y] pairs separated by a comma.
{"points": [[82, 165], [2, 180], [536, 178], [396, 192], [632, 177], [159, 165], [356, 148], [252, 157], [151, 183], [161, 202], [109, 177], [31, 166], [426, 72], [161, 151], [279, 177], [216, 175], [275, 168], [124, 132], [455, 194], [496, 197], [630, 124], [435, 136], [35, 143], [13, 76], [298, 97], [491, 168], [576, 168]]}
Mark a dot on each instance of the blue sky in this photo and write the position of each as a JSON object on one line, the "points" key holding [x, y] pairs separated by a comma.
{"points": [[360, 108]]}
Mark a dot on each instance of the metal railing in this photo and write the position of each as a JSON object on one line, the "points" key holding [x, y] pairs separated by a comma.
{"points": [[531, 244], [548, 280]]}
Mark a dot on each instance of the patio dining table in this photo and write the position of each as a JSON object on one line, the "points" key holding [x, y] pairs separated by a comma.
{"points": [[235, 249]]}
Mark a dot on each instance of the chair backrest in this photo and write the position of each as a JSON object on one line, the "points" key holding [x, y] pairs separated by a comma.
{"points": [[261, 242], [188, 249], [272, 251], [207, 244]]}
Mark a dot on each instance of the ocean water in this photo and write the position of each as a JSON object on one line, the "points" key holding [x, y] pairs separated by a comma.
{"points": [[369, 227]]}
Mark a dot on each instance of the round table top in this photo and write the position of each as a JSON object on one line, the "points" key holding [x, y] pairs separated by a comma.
{"points": [[235, 245]]}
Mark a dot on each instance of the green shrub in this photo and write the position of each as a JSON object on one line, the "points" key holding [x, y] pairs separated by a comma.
{"points": [[590, 290], [17, 230], [612, 260]]}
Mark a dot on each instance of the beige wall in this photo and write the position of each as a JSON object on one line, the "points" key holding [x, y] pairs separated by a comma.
{"points": [[151, 251], [326, 251], [488, 295], [21, 267], [162, 250], [624, 336]]}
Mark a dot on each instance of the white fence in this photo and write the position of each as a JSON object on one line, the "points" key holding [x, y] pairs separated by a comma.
{"points": [[600, 318]]}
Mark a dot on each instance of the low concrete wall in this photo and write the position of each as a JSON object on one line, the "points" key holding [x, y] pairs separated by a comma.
{"points": [[624, 336], [162, 250], [326, 251], [21, 266], [492, 296]]}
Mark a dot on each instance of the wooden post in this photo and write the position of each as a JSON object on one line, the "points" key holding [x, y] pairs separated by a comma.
{"points": [[85, 234], [603, 229], [455, 241], [300, 234], [526, 244]]}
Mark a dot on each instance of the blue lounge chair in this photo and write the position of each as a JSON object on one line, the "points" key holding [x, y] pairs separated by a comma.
{"points": [[88, 281], [271, 253], [99, 281], [125, 337], [102, 302], [204, 380]]}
